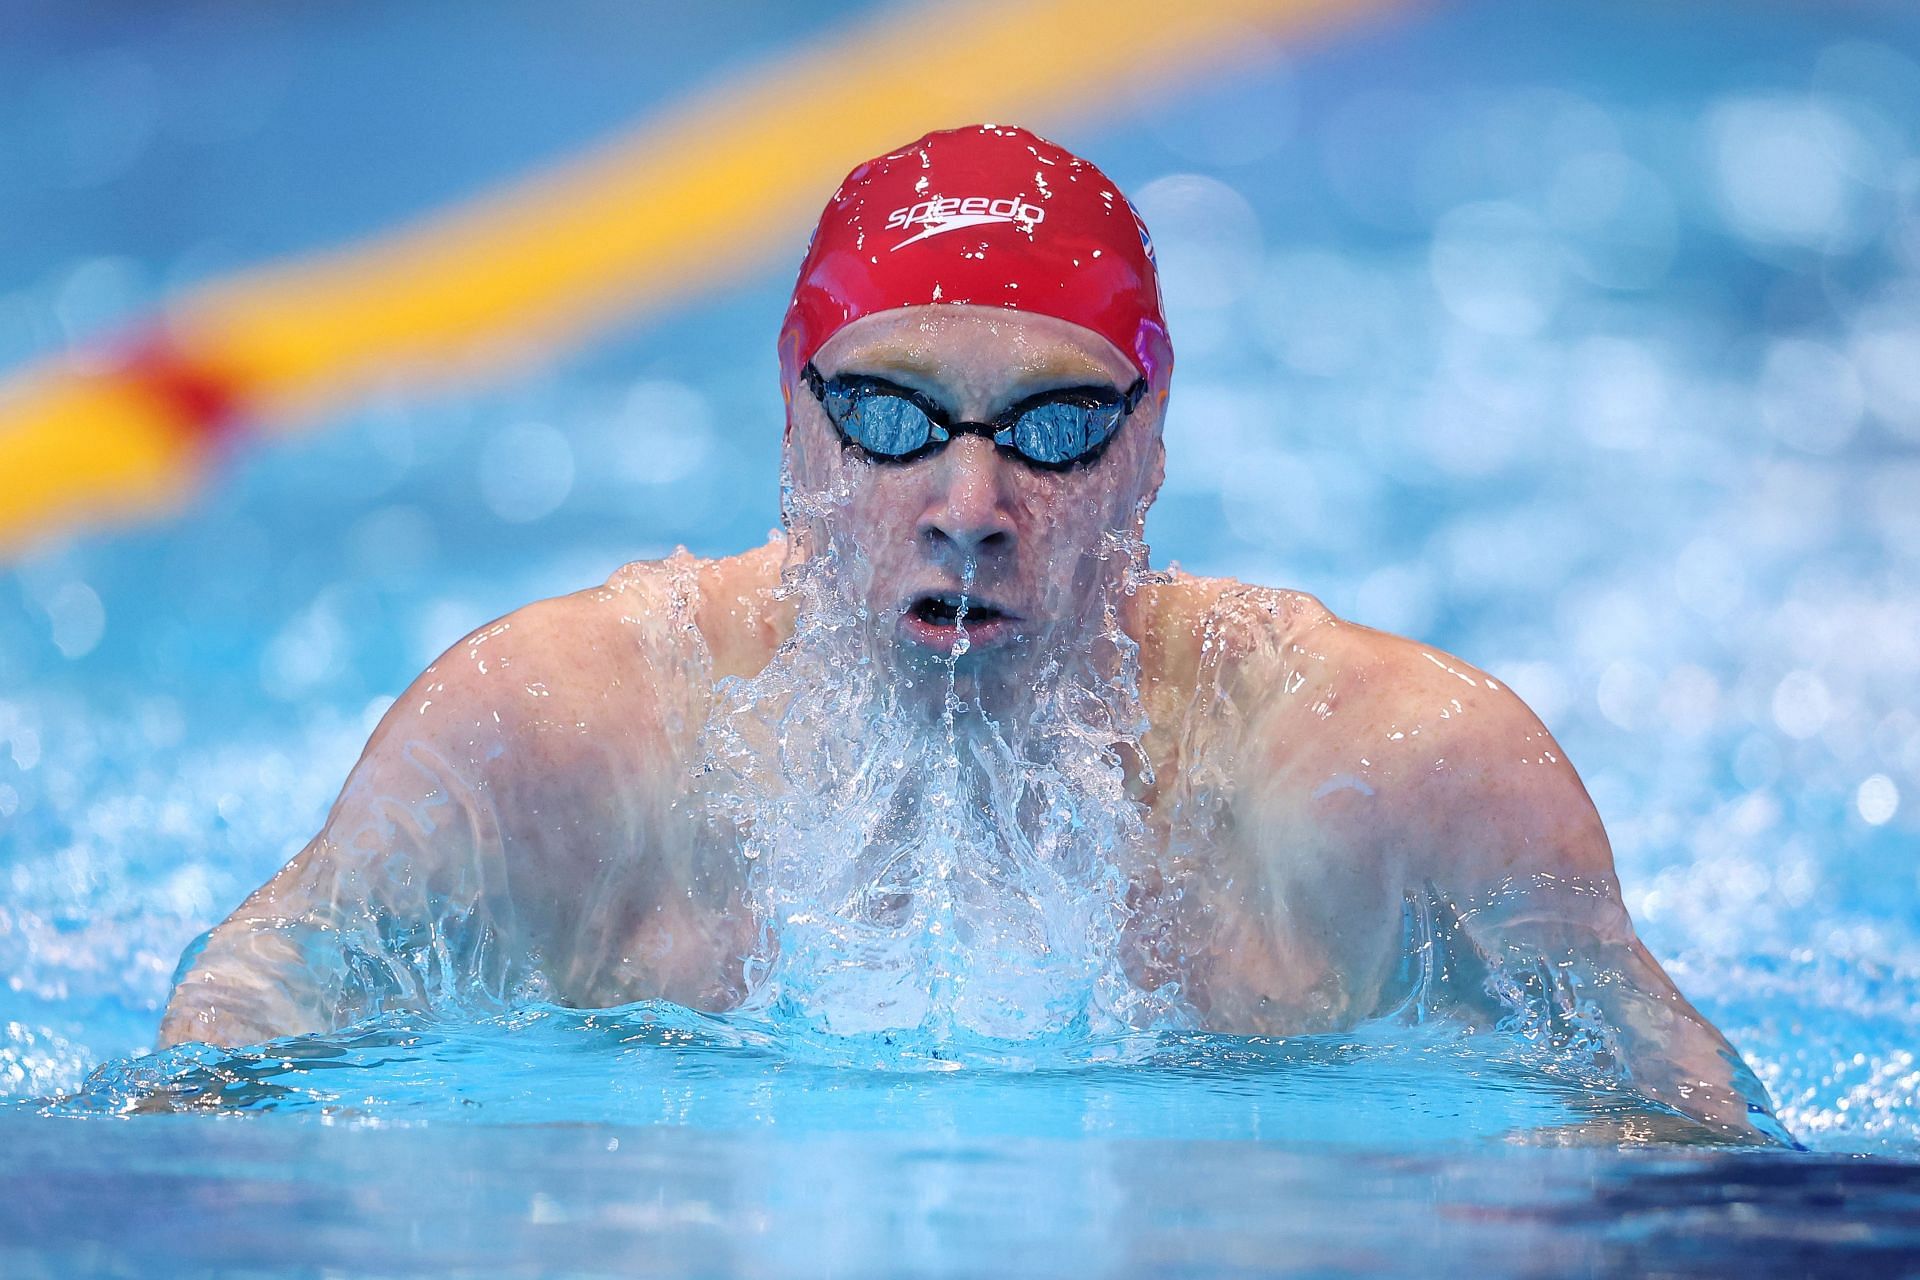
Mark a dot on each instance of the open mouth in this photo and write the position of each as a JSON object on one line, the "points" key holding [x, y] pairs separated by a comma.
{"points": [[938, 619], [944, 610]]}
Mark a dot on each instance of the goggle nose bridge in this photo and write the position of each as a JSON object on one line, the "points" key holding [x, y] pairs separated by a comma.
{"points": [[942, 433]]}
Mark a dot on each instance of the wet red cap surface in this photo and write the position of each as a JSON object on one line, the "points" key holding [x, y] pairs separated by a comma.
{"points": [[989, 215]]}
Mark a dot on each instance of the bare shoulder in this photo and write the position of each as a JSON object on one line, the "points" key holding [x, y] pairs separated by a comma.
{"points": [[534, 693], [1214, 640], [1393, 752], [1469, 784], [551, 661], [1183, 620], [680, 612]]}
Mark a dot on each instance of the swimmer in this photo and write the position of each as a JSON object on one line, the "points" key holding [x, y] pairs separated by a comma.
{"points": [[948, 752]]}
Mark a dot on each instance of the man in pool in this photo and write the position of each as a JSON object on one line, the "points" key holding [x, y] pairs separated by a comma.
{"points": [[947, 756]]}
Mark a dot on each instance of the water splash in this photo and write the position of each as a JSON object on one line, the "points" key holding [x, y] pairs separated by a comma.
{"points": [[964, 872], [974, 876]]}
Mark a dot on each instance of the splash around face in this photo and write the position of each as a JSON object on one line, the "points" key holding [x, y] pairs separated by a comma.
{"points": [[970, 558], [929, 782]]}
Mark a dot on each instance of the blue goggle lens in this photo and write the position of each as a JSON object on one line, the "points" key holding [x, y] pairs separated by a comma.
{"points": [[1054, 430], [886, 425]]}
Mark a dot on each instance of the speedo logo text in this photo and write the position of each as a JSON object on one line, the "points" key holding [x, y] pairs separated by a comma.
{"points": [[953, 213]]}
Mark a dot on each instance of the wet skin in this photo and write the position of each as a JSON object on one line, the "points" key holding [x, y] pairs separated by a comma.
{"points": [[539, 778]]}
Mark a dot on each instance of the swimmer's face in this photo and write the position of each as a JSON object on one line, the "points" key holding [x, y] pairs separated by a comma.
{"points": [[1038, 543]]}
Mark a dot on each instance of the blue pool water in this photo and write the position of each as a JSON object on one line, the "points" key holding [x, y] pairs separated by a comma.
{"points": [[1588, 348]]}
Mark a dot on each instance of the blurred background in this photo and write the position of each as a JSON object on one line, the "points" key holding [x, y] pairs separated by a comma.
{"points": [[1582, 340]]}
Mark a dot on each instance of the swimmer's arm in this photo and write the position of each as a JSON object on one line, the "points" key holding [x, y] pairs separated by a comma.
{"points": [[1418, 774], [493, 788], [408, 841], [259, 974]]}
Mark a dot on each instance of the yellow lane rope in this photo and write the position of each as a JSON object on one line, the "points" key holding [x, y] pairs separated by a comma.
{"points": [[694, 198]]}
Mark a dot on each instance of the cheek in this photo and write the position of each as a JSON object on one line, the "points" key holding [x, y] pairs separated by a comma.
{"points": [[881, 501], [809, 462], [1076, 509], [876, 526]]}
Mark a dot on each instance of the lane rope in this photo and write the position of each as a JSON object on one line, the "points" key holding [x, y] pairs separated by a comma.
{"points": [[697, 197]]}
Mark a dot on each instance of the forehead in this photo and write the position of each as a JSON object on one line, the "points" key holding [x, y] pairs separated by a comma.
{"points": [[962, 345]]}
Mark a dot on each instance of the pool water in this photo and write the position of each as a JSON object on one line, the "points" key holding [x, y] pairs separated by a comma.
{"points": [[656, 1140], [1581, 347]]}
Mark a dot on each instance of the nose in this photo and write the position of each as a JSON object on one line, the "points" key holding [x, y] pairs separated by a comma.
{"points": [[969, 511]]}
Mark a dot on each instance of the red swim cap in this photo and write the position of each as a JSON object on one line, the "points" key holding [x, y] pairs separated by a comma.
{"points": [[986, 215]]}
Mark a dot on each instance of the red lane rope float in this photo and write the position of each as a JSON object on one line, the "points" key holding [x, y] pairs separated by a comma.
{"points": [[94, 440], [203, 403]]}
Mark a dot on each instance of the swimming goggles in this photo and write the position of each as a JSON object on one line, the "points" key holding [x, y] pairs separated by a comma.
{"points": [[1054, 430]]}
